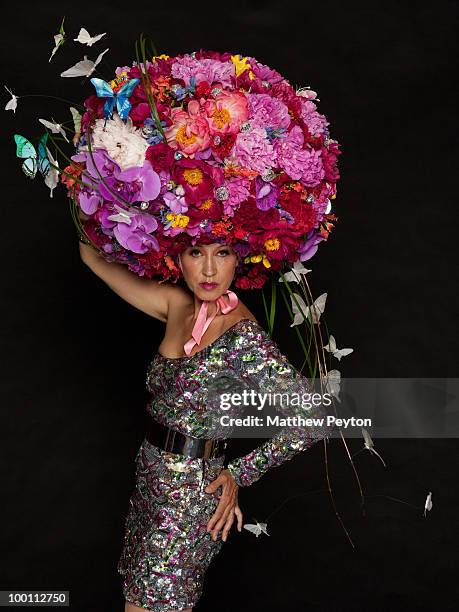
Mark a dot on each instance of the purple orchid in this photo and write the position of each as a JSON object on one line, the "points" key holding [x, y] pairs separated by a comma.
{"points": [[132, 230], [310, 245], [134, 184], [266, 194], [89, 201], [176, 202]]}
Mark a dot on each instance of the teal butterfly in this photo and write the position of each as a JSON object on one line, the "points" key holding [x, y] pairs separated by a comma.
{"points": [[123, 106], [33, 161]]}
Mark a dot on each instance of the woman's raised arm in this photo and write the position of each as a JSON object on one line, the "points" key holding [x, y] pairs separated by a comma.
{"points": [[145, 294]]}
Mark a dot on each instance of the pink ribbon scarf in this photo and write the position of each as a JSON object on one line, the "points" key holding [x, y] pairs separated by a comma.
{"points": [[203, 321]]}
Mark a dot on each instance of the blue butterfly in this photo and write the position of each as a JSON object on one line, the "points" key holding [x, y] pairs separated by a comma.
{"points": [[123, 106], [33, 161]]}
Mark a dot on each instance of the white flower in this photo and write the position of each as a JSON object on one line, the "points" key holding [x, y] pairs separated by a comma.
{"points": [[123, 141]]}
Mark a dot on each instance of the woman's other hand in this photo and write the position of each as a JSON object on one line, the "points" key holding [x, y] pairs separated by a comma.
{"points": [[228, 506]]}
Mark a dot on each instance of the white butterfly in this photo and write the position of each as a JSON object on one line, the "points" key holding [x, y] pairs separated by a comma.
{"points": [[370, 445], [332, 383], [428, 504], [58, 40], [84, 67], [123, 216], [306, 92], [312, 312], [52, 177], [338, 353], [86, 39], [13, 103], [295, 273], [256, 529], [56, 128]]}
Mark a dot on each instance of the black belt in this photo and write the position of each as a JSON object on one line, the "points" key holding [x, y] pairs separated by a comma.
{"points": [[173, 441]]}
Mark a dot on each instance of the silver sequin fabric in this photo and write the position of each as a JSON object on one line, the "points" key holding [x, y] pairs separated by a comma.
{"points": [[167, 549]]}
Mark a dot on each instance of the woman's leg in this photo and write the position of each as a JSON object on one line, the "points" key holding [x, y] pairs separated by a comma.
{"points": [[132, 608]]}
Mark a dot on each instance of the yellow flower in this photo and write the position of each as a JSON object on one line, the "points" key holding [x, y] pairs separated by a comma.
{"points": [[241, 65], [257, 259], [162, 56], [178, 220], [272, 244], [181, 221], [333, 196], [193, 176]]}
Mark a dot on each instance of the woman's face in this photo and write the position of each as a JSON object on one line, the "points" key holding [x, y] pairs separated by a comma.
{"points": [[208, 269]]}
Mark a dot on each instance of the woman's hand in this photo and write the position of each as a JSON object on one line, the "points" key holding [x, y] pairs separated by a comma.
{"points": [[227, 507]]}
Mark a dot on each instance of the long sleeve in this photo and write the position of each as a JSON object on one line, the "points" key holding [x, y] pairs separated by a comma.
{"points": [[270, 371]]}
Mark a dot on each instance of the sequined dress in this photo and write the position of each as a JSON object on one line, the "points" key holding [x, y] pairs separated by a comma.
{"points": [[166, 549]]}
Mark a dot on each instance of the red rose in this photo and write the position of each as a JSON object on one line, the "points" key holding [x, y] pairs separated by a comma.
{"points": [[160, 156], [202, 89]]}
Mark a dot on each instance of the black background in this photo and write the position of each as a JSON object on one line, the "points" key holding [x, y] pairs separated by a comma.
{"points": [[75, 356]]}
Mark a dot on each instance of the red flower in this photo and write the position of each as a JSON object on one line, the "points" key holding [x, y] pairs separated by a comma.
{"points": [[139, 112], [197, 178], [161, 156], [224, 146], [202, 89], [330, 161], [95, 110], [255, 279]]}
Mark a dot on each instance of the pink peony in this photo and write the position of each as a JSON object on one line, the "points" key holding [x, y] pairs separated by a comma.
{"points": [[189, 131], [226, 112], [266, 111], [299, 163], [253, 150], [210, 70]]}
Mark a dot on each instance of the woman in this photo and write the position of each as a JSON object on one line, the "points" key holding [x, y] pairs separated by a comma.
{"points": [[185, 501]]}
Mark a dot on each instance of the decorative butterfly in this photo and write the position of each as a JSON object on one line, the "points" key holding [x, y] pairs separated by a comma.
{"points": [[56, 128], [52, 177], [123, 106], [32, 160], [308, 93], [295, 273], [332, 382], [83, 68], [369, 445], [76, 116], [310, 312], [338, 353], [86, 39], [428, 504], [257, 529], [58, 40], [13, 103]]}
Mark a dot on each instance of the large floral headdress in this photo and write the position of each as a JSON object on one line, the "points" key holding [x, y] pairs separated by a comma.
{"points": [[202, 148]]}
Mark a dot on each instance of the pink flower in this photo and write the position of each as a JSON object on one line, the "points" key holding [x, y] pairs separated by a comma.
{"points": [[253, 150], [189, 131], [226, 112], [265, 73], [315, 121], [210, 70], [239, 191], [299, 163], [266, 111]]}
